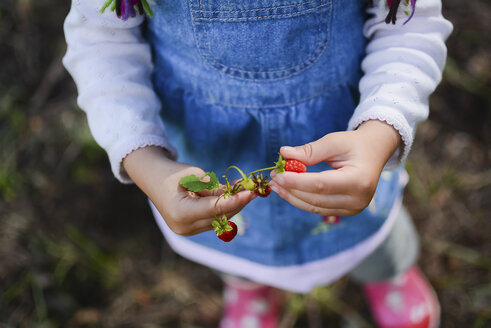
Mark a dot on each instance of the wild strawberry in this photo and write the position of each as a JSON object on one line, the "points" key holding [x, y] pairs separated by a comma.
{"points": [[265, 193], [293, 165], [229, 235], [225, 229], [331, 219], [262, 188]]}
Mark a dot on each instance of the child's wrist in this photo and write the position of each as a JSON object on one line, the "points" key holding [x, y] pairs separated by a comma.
{"points": [[147, 164], [384, 139], [143, 156]]}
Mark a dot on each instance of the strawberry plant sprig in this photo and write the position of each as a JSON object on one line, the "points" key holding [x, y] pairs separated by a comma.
{"points": [[254, 181], [126, 8]]}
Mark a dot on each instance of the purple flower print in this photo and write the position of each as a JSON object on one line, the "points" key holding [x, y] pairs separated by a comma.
{"points": [[126, 8], [413, 9], [394, 6]]}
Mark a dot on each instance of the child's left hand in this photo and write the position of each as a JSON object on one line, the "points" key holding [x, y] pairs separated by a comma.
{"points": [[357, 158]]}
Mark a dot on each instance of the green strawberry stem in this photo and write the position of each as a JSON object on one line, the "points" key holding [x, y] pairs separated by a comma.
{"points": [[227, 183], [228, 187], [279, 167], [215, 207], [244, 177], [246, 182]]}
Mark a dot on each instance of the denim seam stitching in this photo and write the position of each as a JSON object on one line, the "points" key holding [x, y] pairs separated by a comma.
{"points": [[257, 9], [293, 69], [263, 16], [208, 57], [195, 33]]}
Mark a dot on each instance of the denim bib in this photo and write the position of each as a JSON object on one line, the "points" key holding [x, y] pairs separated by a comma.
{"points": [[239, 79]]}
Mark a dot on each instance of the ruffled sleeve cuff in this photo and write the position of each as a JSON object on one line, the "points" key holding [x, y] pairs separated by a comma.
{"points": [[126, 146]]}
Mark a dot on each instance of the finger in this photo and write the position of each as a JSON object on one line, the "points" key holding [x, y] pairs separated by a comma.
{"points": [[203, 224], [234, 204], [326, 182], [316, 151], [324, 201], [285, 194], [218, 191], [214, 192], [196, 231], [207, 207]]}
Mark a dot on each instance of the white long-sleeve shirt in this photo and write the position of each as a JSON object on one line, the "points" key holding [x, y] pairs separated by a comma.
{"points": [[111, 65]]}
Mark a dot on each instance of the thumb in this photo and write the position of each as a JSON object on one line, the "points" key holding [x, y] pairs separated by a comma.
{"points": [[313, 152]]}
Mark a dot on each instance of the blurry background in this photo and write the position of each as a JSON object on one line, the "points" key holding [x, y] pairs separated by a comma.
{"points": [[78, 249]]}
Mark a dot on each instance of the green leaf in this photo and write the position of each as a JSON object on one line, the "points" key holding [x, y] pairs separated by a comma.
{"points": [[193, 183], [280, 165]]}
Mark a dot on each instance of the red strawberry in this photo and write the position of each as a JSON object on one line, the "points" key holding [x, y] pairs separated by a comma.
{"points": [[331, 219], [267, 191], [229, 235], [293, 165]]}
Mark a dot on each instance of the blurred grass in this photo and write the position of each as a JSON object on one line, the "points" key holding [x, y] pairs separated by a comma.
{"points": [[77, 249]]}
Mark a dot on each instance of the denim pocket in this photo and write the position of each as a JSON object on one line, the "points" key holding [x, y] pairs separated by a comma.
{"points": [[263, 39]]}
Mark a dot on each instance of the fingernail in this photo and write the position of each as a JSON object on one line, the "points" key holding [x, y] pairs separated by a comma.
{"points": [[287, 148]]}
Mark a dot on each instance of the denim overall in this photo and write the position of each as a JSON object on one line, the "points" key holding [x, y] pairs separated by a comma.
{"points": [[241, 78]]}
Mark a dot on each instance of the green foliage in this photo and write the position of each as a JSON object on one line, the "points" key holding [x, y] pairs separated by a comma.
{"points": [[193, 183], [13, 125], [103, 265], [475, 84]]}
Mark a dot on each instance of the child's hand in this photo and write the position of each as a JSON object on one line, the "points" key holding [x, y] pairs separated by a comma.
{"points": [[186, 213], [357, 158]]}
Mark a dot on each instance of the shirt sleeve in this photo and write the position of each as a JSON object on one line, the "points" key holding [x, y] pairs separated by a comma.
{"points": [[402, 67], [111, 65]]}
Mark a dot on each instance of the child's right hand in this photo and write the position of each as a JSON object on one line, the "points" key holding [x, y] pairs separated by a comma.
{"points": [[186, 213], [357, 158]]}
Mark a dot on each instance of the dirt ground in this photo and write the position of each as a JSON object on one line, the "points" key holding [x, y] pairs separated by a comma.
{"points": [[78, 249]]}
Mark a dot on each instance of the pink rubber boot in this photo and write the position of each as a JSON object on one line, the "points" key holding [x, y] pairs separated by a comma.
{"points": [[249, 305], [407, 301]]}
